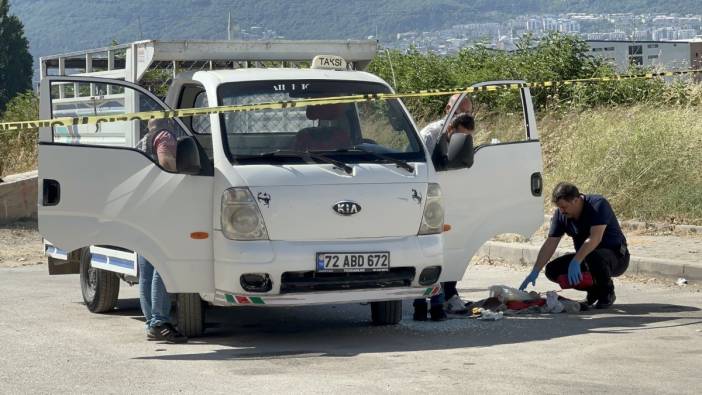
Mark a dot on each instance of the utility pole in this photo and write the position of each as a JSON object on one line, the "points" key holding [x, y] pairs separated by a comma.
{"points": [[229, 26], [140, 32]]}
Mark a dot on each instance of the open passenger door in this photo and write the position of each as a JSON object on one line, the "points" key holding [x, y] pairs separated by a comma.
{"points": [[97, 189], [500, 193]]}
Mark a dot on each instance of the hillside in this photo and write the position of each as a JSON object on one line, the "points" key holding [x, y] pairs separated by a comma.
{"points": [[55, 26]]}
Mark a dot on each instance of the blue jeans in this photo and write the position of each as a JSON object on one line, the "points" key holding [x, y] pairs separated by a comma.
{"points": [[436, 301], [154, 300]]}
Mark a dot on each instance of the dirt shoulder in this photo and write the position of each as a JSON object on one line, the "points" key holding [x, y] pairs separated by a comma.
{"points": [[20, 245]]}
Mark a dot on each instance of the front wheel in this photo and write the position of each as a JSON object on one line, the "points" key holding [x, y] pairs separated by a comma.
{"points": [[100, 288], [190, 314], [386, 313]]}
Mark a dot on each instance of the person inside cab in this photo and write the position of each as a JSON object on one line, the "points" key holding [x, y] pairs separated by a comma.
{"points": [[330, 132]]}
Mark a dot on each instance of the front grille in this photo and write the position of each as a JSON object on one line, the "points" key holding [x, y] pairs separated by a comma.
{"points": [[309, 281]]}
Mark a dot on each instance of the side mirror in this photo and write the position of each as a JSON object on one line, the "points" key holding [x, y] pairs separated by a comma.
{"points": [[188, 156], [460, 152]]}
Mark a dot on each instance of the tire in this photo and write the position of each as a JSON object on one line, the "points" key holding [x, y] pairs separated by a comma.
{"points": [[386, 313], [100, 288], [190, 314]]}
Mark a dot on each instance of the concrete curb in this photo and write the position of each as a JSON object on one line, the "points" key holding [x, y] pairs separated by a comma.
{"points": [[520, 254], [18, 197]]}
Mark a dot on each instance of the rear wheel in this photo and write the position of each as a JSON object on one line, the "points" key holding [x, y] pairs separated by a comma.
{"points": [[386, 313], [190, 314], [100, 288]]}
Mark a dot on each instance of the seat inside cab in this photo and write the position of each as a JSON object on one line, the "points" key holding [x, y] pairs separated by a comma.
{"points": [[331, 132]]}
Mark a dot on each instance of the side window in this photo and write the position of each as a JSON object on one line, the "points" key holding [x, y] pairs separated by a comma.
{"points": [[84, 99], [201, 123], [194, 96], [499, 118]]}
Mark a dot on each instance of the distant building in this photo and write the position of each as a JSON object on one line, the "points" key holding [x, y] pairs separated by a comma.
{"points": [[550, 24], [534, 25], [640, 35], [568, 26], [668, 55], [616, 36]]}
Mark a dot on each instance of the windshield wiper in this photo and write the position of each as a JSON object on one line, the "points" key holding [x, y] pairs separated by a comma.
{"points": [[398, 162], [305, 154]]}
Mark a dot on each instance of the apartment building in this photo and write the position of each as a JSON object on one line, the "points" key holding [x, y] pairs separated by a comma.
{"points": [[668, 55]]}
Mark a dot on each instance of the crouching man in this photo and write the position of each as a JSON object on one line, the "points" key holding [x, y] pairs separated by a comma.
{"points": [[599, 243]]}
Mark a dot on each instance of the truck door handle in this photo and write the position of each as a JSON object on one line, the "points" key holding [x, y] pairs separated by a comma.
{"points": [[51, 192], [537, 184]]}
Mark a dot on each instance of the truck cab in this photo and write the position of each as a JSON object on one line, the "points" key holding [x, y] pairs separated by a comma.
{"points": [[328, 202]]}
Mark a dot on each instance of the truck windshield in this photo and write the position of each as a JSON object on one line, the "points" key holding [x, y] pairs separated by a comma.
{"points": [[371, 131]]}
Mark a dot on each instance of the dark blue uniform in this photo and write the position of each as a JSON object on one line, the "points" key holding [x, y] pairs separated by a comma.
{"points": [[596, 211], [609, 259]]}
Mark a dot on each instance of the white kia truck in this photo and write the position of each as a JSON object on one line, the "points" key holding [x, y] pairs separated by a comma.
{"points": [[333, 203]]}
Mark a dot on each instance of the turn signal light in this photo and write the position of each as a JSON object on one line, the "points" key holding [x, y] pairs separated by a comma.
{"points": [[199, 235]]}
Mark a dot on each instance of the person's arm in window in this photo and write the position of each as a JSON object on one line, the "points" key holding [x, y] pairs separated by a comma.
{"points": [[165, 146]]}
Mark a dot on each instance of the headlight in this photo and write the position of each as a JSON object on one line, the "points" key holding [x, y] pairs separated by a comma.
{"points": [[241, 219], [433, 217]]}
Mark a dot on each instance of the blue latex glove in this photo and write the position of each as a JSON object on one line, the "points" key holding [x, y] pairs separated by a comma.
{"points": [[531, 278], [574, 274]]}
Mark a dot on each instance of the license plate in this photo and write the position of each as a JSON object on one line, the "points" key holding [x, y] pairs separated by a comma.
{"points": [[330, 262]]}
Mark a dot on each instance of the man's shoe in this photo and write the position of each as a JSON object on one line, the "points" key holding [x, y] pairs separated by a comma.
{"points": [[455, 305], [437, 313], [420, 312], [166, 332], [591, 297], [151, 335], [606, 301]]}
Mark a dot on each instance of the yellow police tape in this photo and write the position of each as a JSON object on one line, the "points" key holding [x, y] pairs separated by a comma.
{"points": [[146, 115]]}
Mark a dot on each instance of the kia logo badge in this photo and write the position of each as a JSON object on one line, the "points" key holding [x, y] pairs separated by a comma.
{"points": [[347, 208]]}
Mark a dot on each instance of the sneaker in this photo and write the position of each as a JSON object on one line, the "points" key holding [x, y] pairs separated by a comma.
{"points": [[151, 335], [167, 333], [455, 305], [606, 301], [420, 312], [437, 313], [591, 297]]}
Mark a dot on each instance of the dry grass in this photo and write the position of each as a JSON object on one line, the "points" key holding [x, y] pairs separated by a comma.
{"points": [[645, 159], [18, 152]]}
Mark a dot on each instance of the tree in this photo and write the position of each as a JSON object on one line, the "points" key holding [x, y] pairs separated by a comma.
{"points": [[15, 60]]}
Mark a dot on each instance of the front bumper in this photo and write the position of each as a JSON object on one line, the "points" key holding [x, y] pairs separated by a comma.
{"points": [[316, 298], [286, 260]]}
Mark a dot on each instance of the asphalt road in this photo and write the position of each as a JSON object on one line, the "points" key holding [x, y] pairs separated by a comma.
{"points": [[651, 342]]}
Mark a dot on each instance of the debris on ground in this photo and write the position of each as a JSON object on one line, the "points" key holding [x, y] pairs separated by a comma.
{"points": [[489, 315], [511, 301], [681, 282]]}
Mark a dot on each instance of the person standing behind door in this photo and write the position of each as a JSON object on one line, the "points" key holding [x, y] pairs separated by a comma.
{"points": [[160, 145]]}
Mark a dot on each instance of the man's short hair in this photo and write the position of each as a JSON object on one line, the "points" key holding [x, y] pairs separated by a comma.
{"points": [[565, 191], [160, 124], [453, 100], [463, 119]]}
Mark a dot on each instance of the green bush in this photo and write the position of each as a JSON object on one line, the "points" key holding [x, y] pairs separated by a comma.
{"points": [[557, 57]]}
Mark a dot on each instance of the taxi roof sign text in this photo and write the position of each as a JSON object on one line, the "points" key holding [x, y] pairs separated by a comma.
{"points": [[329, 62]]}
